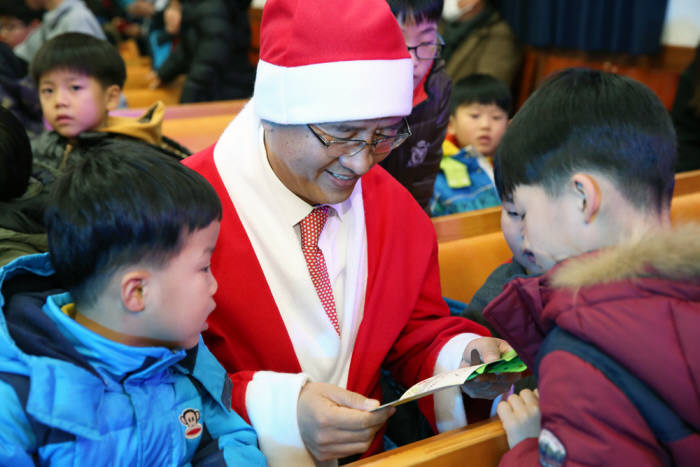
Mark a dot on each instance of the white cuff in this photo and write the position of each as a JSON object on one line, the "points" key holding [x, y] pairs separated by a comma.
{"points": [[449, 408], [271, 401]]}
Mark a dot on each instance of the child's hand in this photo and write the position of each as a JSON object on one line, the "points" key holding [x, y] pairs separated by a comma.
{"points": [[520, 416]]}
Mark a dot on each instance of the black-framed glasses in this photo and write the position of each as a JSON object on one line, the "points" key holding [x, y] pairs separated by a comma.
{"points": [[381, 144], [428, 50]]}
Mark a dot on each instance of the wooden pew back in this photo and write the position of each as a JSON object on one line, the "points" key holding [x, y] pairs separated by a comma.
{"points": [[196, 133], [481, 444], [685, 208], [196, 109], [466, 263]]}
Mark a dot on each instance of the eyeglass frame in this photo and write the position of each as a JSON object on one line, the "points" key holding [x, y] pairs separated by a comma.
{"points": [[327, 140], [440, 44]]}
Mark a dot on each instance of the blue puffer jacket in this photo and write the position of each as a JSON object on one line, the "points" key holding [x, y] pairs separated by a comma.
{"points": [[72, 397], [474, 190]]}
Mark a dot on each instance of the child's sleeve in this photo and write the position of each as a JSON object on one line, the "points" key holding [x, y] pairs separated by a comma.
{"points": [[232, 441], [586, 420], [16, 438]]}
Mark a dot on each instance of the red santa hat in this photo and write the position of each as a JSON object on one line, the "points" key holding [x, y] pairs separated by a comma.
{"points": [[331, 61]]}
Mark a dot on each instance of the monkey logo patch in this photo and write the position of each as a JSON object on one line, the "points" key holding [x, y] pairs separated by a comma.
{"points": [[190, 418], [418, 153]]}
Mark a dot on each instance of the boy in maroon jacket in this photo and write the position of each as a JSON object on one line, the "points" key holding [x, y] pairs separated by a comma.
{"points": [[611, 326]]}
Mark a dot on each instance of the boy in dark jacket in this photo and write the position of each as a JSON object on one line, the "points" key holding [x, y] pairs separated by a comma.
{"points": [[21, 198], [416, 163], [611, 326], [212, 50], [80, 79], [101, 358]]}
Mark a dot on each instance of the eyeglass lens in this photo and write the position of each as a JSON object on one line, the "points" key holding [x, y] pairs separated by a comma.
{"points": [[427, 51]]}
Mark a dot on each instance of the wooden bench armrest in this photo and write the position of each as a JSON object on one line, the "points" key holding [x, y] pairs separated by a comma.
{"points": [[481, 444]]}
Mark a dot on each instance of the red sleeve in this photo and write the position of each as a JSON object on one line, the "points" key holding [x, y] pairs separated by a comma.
{"points": [[523, 454], [240, 381]]}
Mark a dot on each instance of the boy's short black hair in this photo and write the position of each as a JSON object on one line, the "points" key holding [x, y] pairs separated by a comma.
{"points": [[15, 157], [124, 204], [480, 88], [419, 10], [589, 120], [82, 53], [19, 9]]}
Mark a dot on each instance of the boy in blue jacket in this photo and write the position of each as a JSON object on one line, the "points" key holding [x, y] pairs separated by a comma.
{"points": [[479, 109], [101, 358]]}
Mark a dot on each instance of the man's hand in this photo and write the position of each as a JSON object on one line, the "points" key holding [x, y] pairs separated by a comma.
{"points": [[520, 416], [486, 386], [336, 423]]}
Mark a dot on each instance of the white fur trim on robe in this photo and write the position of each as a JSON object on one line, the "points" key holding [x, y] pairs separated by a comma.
{"points": [[271, 400], [449, 408]]}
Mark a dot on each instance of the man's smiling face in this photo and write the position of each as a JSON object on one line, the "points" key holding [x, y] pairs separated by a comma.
{"points": [[304, 165]]}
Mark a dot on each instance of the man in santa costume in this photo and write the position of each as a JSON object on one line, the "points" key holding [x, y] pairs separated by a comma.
{"points": [[327, 267]]}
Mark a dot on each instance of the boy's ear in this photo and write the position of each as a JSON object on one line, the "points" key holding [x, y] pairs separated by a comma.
{"points": [[451, 125], [132, 285], [589, 196], [112, 94]]}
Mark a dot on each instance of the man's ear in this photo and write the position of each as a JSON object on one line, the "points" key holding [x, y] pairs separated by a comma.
{"points": [[587, 191], [112, 94], [132, 285]]}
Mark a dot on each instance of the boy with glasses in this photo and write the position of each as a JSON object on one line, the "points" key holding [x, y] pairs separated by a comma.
{"points": [[327, 267], [416, 164]]}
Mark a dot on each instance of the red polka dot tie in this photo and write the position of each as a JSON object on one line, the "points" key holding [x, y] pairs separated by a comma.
{"points": [[311, 227]]}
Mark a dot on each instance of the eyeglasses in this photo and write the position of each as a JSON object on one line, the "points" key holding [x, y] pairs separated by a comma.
{"points": [[428, 50], [348, 147]]}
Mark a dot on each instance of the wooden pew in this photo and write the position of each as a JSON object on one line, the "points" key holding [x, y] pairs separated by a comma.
{"points": [[465, 263], [660, 72], [137, 76], [685, 208], [469, 224], [195, 126], [196, 133], [168, 93], [147, 97], [198, 109], [481, 444], [687, 182]]}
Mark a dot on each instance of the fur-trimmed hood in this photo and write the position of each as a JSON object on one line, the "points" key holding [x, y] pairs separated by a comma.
{"points": [[669, 254]]}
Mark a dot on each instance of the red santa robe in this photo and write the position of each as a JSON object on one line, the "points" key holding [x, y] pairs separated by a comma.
{"points": [[405, 321]]}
